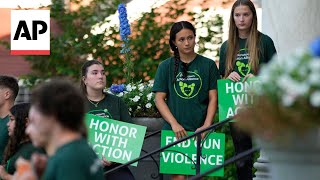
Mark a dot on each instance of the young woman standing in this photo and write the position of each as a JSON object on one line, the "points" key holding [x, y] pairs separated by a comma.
{"points": [[185, 85], [240, 57]]}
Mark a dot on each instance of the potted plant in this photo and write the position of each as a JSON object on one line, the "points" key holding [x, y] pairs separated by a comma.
{"points": [[285, 117], [140, 101]]}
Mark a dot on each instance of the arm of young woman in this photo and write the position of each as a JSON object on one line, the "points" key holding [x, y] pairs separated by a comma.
{"points": [[211, 111], [167, 115], [3, 173]]}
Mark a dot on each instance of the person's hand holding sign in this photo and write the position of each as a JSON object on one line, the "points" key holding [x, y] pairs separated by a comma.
{"points": [[234, 76], [201, 128], [178, 130], [247, 76], [105, 162]]}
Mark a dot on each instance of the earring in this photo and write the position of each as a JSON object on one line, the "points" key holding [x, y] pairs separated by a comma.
{"points": [[176, 47]]}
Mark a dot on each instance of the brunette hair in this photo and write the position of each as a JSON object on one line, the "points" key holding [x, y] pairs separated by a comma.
{"points": [[233, 40], [59, 98], [10, 83], [177, 27], [84, 71], [20, 113]]}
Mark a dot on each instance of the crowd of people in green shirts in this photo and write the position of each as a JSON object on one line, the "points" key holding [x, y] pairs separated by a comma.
{"points": [[50, 135]]}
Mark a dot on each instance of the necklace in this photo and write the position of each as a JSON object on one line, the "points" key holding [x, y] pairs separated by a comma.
{"points": [[95, 103]]}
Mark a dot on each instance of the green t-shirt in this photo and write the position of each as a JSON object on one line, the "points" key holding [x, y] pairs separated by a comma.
{"points": [[241, 66], [25, 150], [187, 98], [4, 136], [111, 107], [74, 160]]}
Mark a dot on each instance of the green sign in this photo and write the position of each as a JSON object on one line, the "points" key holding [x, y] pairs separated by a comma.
{"points": [[231, 95], [181, 158], [115, 140]]}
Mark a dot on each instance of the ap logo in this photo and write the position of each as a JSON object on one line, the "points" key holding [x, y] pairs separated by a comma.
{"points": [[30, 32]]}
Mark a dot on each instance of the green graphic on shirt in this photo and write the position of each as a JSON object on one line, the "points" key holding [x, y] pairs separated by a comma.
{"points": [[242, 62], [188, 87], [101, 112], [243, 68]]}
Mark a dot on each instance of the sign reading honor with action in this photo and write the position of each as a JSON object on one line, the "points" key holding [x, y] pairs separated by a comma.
{"points": [[181, 158], [115, 140], [30, 32], [232, 95]]}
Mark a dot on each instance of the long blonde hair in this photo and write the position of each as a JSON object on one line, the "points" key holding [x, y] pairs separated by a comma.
{"points": [[233, 40]]}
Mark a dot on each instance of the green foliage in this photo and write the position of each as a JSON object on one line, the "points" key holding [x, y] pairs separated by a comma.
{"points": [[76, 43], [148, 44], [70, 48]]}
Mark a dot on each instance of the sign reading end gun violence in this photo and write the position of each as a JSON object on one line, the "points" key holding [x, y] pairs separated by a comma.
{"points": [[115, 140], [181, 158], [232, 95]]}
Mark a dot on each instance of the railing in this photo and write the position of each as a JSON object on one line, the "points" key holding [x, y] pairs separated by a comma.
{"points": [[153, 175], [197, 164], [227, 162]]}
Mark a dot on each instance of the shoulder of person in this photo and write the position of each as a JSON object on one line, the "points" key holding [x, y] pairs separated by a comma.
{"points": [[167, 61], [265, 38], [205, 59], [165, 65], [224, 44], [112, 97]]}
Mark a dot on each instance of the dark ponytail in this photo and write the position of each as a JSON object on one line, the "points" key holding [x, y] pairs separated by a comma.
{"points": [[176, 63]]}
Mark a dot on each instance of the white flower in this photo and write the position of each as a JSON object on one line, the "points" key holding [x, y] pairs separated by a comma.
{"points": [[315, 99], [138, 107], [197, 9], [149, 96], [314, 65], [120, 94], [314, 78], [110, 43], [148, 105], [208, 45], [141, 87], [150, 83], [288, 100], [129, 88], [21, 82], [135, 99], [134, 87], [203, 32], [284, 82]]}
